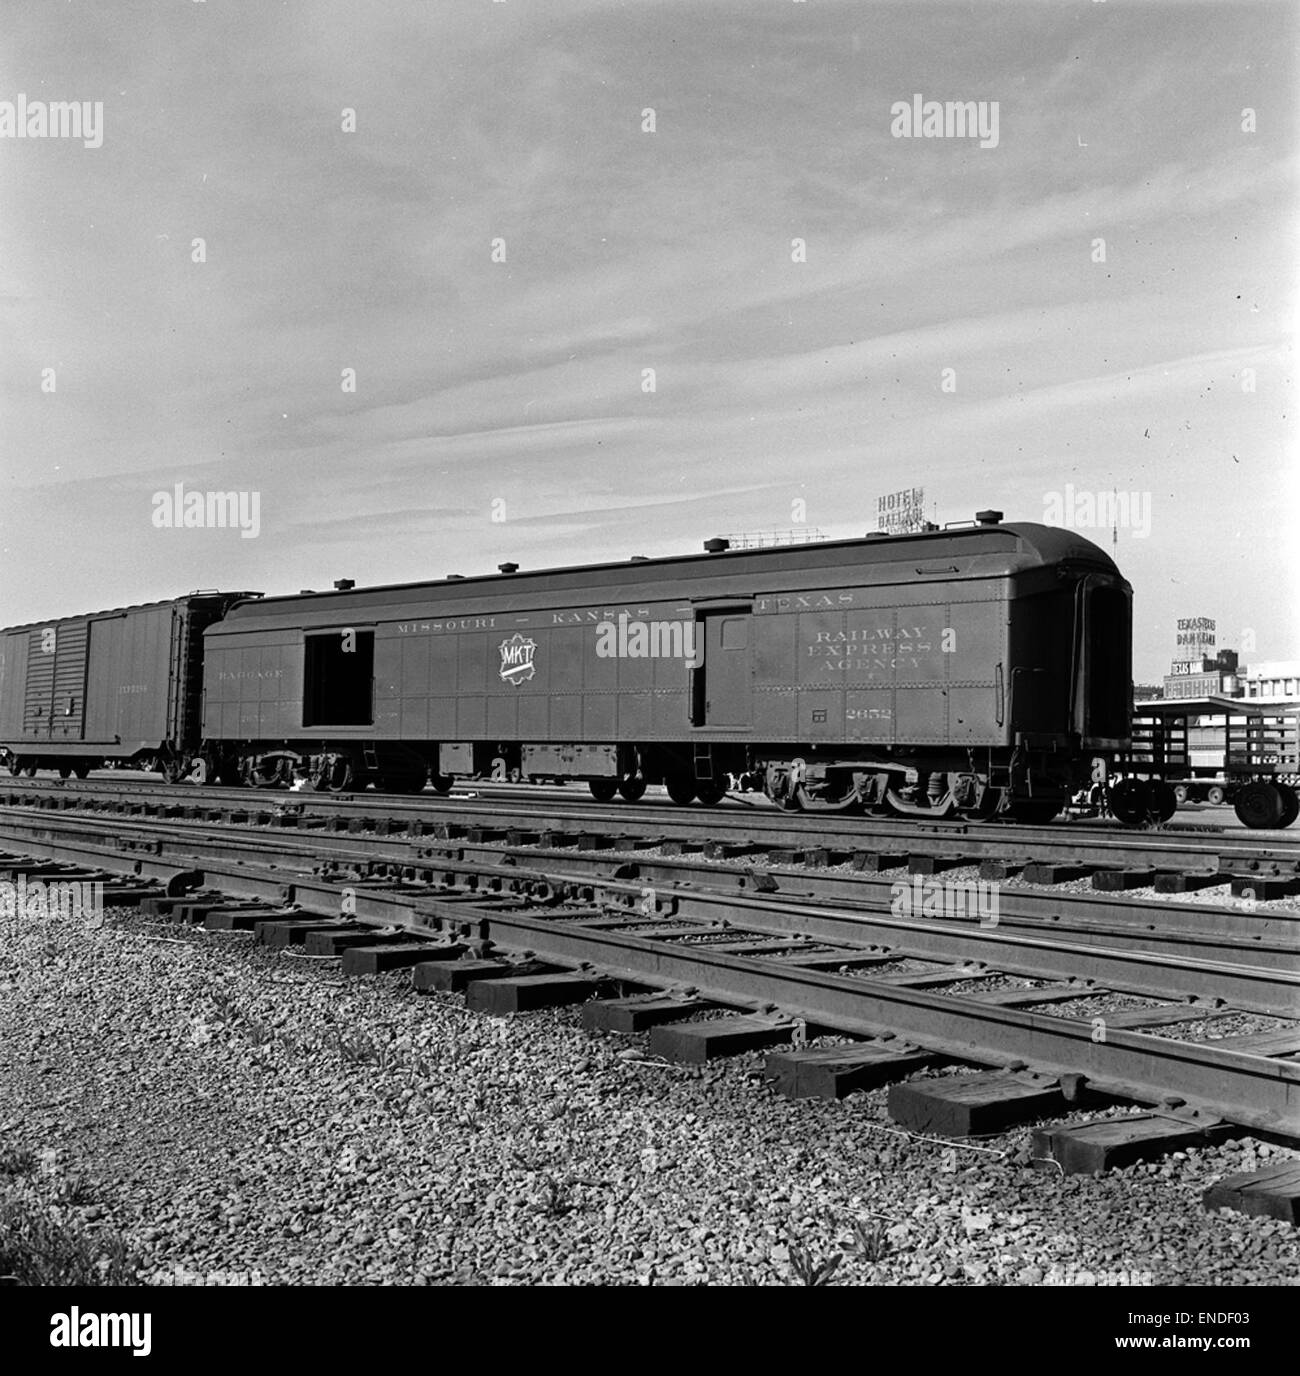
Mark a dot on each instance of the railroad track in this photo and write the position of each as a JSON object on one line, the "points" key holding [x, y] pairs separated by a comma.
{"points": [[1262, 935], [1061, 1008], [752, 824]]}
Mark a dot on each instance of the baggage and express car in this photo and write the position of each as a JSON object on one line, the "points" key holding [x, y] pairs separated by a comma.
{"points": [[966, 670]]}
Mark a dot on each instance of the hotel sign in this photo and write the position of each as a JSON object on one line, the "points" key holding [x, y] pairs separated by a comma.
{"points": [[902, 513]]}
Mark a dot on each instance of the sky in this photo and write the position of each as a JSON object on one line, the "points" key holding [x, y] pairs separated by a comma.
{"points": [[509, 250]]}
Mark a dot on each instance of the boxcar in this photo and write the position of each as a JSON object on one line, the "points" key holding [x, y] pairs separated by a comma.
{"points": [[122, 685], [968, 670]]}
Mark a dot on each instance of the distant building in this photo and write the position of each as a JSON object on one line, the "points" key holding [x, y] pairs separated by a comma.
{"points": [[1201, 670], [1276, 680], [1203, 677]]}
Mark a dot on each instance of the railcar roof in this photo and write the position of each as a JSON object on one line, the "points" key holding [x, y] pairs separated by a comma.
{"points": [[986, 551], [206, 595]]}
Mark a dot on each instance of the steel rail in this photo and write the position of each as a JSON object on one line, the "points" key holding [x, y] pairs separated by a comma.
{"points": [[1271, 991], [1253, 1090], [1267, 935], [1256, 1091], [1099, 843], [1255, 989], [1192, 932]]}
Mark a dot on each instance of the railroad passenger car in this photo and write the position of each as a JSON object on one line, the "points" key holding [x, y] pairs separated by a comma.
{"points": [[968, 671], [122, 685]]}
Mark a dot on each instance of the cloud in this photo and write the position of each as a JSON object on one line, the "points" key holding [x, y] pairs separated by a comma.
{"points": [[628, 251]]}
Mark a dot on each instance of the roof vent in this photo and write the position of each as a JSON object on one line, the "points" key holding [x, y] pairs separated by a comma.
{"points": [[455, 577], [876, 535], [508, 568], [345, 584], [638, 559], [988, 518], [305, 592], [716, 545]]}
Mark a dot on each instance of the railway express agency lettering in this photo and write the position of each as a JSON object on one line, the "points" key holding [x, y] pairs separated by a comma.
{"points": [[869, 650]]}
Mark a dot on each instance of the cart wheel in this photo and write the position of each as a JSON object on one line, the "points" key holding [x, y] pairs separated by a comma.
{"points": [[1290, 804], [603, 790], [1181, 794], [632, 788], [1162, 800], [441, 783], [80, 770], [680, 789], [1128, 802], [65, 771], [1260, 805], [710, 795], [1215, 795]]}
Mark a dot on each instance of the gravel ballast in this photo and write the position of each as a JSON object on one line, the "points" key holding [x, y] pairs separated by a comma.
{"points": [[242, 1117]]}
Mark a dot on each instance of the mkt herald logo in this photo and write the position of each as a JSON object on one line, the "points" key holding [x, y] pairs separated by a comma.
{"points": [[517, 659]]}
